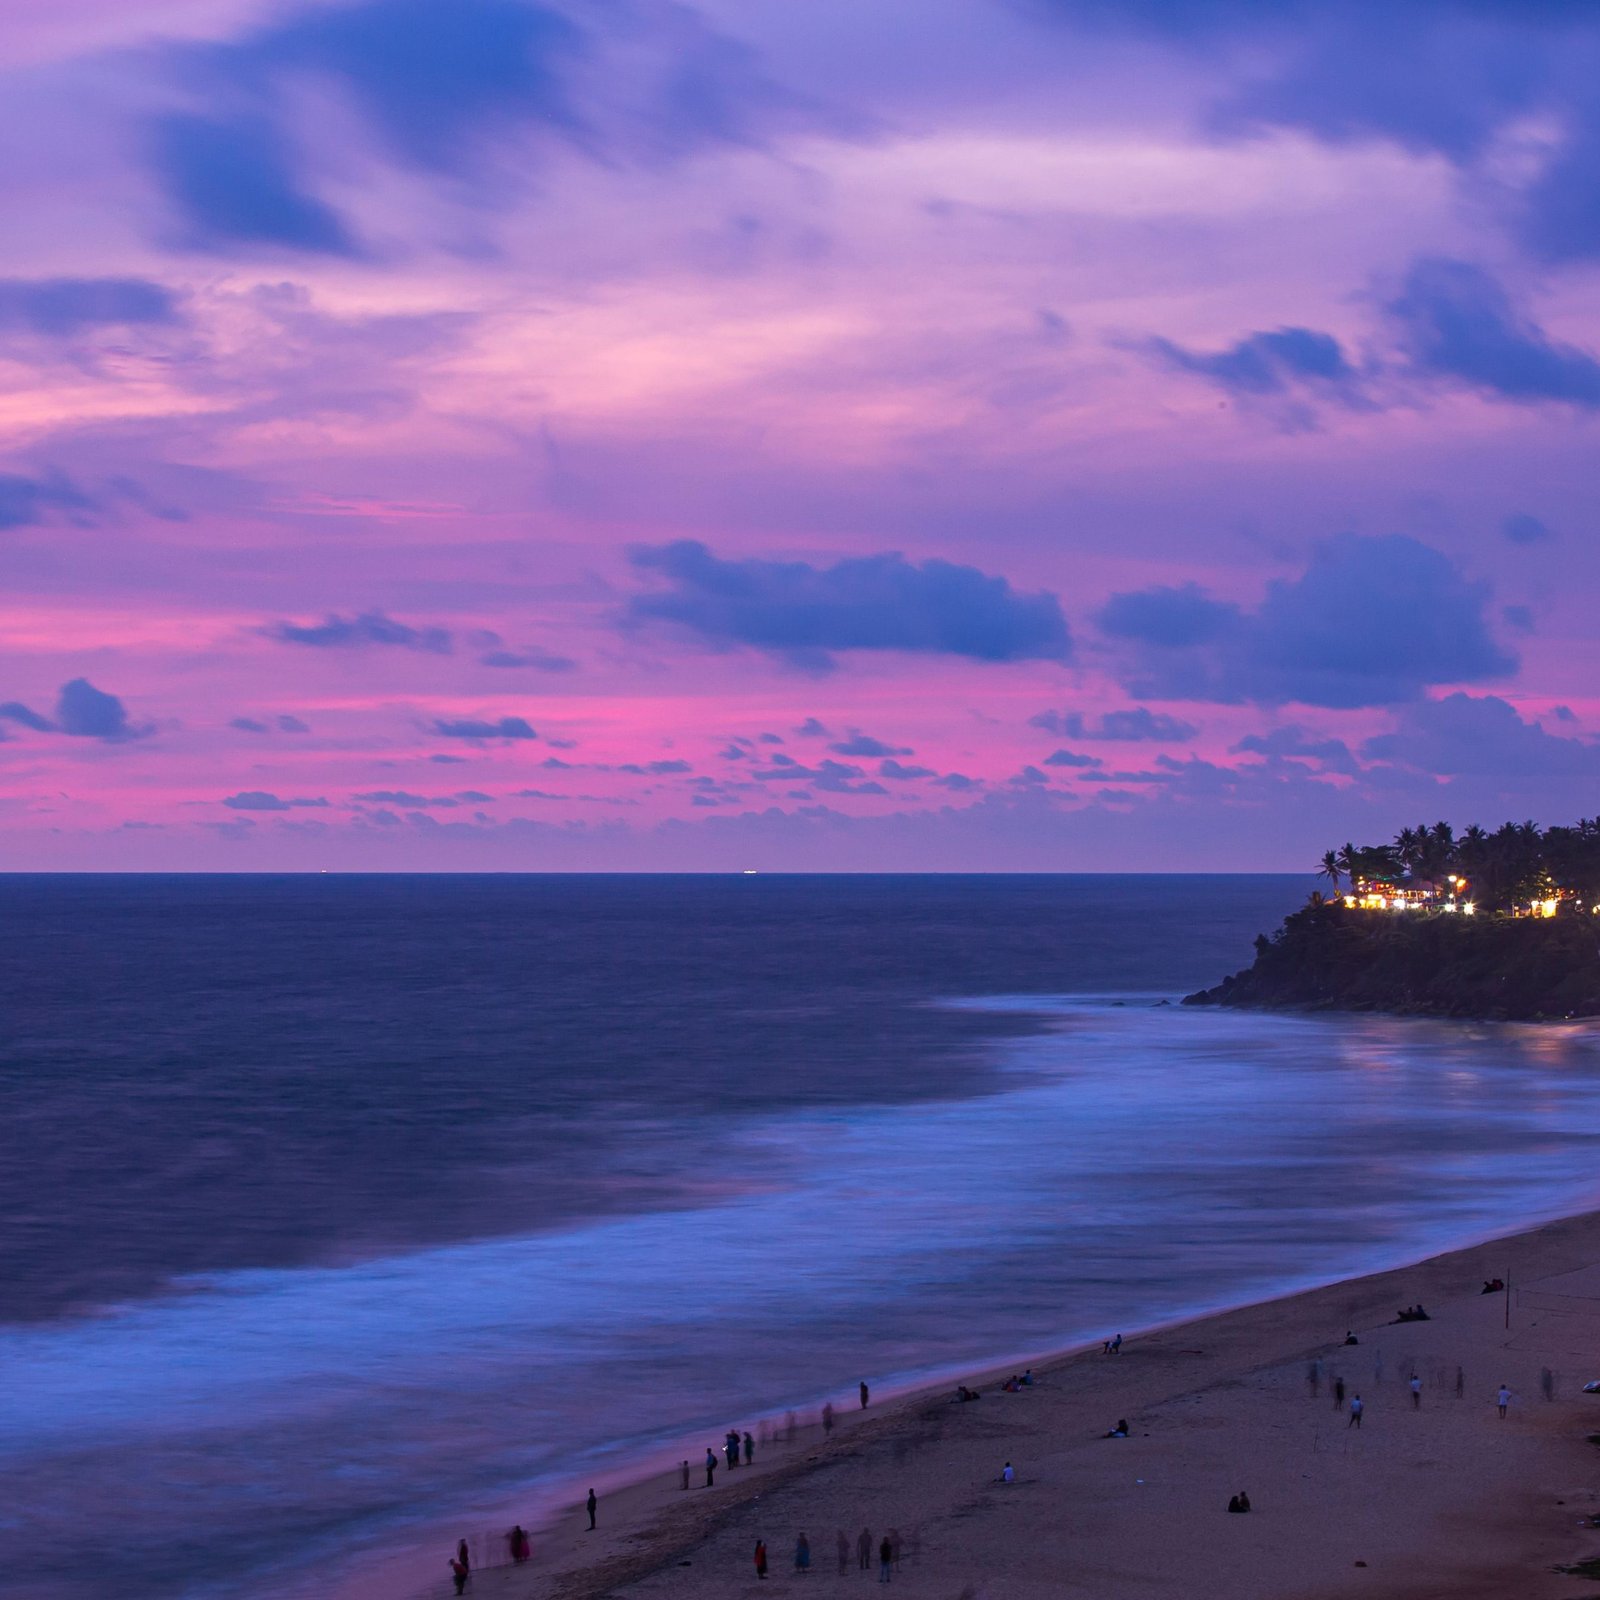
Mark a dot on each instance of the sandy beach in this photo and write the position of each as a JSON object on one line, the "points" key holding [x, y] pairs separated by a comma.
{"points": [[1441, 1497]]}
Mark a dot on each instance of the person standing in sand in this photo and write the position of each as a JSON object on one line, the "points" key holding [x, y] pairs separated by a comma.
{"points": [[590, 1504], [683, 1476], [464, 1556], [1356, 1409], [885, 1561], [1502, 1400], [802, 1554], [459, 1574], [844, 1552], [864, 1550], [711, 1466], [761, 1558], [1338, 1393], [749, 1449], [1416, 1392], [865, 1392], [827, 1416]]}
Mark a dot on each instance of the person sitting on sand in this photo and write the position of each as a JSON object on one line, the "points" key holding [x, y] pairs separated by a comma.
{"points": [[1350, 1338], [1027, 1377], [1244, 1501], [1012, 1385], [1233, 1504], [1008, 1473], [1120, 1431], [964, 1394]]}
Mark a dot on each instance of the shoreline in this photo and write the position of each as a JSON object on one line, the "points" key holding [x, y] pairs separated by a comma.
{"points": [[650, 1526]]}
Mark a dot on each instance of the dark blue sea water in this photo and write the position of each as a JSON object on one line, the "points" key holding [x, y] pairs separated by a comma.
{"points": [[341, 1211]]}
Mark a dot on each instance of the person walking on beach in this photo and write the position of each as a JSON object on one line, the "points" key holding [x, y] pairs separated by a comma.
{"points": [[683, 1475], [802, 1554], [711, 1466], [463, 1555], [730, 1447], [521, 1548], [761, 1558], [1314, 1378], [749, 1449], [827, 1416], [885, 1560], [1338, 1393], [1356, 1408], [1416, 1392], [844, 1552], [1502, 1400], [864, 1550], [591, 1503], [865, 1392], [459, 1574]]}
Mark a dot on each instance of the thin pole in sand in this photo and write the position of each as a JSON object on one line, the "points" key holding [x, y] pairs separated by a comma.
{"points": [[1508, 1301]]}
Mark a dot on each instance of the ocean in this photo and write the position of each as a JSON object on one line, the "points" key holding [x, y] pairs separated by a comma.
{"points": [[343, 1214]]}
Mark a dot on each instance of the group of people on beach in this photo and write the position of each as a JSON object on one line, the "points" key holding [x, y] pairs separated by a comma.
{"points": [[888, 1554], [1015, 1384], [1412, 1314]]}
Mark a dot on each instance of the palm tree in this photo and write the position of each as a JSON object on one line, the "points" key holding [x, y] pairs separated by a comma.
{"points": [[1330, 867]]}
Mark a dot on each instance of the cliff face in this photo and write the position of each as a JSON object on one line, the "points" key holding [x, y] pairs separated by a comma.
{"points": [[1329, 957]]}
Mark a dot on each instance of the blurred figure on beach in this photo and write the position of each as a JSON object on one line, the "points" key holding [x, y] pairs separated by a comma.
{"points": [[1314, 1378], [864, 1551], [1356, 1409], [802, 1554], [464, 1556], [1338, 1393], [1416, 1392], [827, 1416], [865, 1392], [885, 1560], [683, 1475], [749, 1450], [1461, 1382], [591, 1503], [1547, 1383], [519, 1544], [711, 1466], [761, 1558], [730, 1447], [791, 1426], [1502, 1400], [844, 1552], [459, 1574]]}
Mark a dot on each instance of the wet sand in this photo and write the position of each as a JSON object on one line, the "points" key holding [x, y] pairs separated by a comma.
{"points": [[1445, 1499]]}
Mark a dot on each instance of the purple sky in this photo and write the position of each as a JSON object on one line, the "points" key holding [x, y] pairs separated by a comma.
{"points": [[933, 434]]}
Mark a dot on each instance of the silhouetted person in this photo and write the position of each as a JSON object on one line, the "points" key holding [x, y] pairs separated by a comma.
{"points": [[1338, 1394], [591, 1503], [730, 1448], [749, 1449], [464, 1556], [885, 1561], [459, 1574], [1356, 1408], [802, 1554], [864, 1551], [827, 1416], [865, 1392], [844, 1552], [761, 1558], [1116, 1345], [1461, 1383], [1244, 1501], [683, 1476], [1350, 1338], [519, 1544], [711, 1466], [1502, 1400], [1547, 1383]]}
